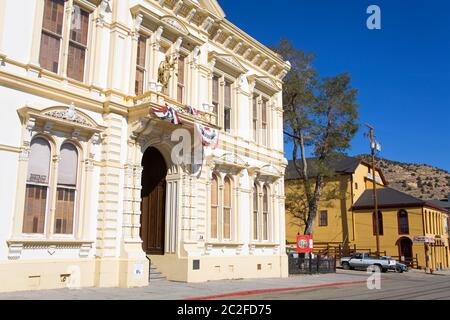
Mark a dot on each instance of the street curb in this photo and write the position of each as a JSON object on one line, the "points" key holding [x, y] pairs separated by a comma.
{"points": [[264, 291]]}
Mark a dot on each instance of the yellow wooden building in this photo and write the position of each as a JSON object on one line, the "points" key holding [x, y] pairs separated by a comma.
{"points": [[410, 229]]}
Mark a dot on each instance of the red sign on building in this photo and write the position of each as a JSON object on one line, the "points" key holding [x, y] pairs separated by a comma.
{"points": [[305, 244]]}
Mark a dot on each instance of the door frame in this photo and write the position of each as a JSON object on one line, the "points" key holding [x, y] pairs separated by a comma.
{"points": [[146, 215], [399, 244]]}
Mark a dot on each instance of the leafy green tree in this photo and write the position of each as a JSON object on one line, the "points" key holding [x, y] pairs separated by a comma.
{"points": [[320, 117]]}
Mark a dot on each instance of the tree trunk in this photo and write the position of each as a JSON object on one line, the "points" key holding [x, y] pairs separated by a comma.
{"points": [[314, 206]]}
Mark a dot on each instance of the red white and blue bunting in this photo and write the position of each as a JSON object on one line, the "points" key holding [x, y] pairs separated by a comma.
{"points": [[168, 113], [210, 137]]}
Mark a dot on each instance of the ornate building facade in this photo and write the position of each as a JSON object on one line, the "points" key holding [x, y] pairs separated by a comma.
{"points": [[90, 190]]}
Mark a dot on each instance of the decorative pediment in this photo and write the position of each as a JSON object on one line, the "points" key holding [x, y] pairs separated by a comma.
{"points": [[229, 162], [65, 118], [266, 173], [71, 115], [264, 84], [227, 63], [270, 171], [176, 24]]}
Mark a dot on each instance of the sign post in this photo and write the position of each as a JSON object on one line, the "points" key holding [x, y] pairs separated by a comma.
{"points": [[428, 242], [305, 244]]}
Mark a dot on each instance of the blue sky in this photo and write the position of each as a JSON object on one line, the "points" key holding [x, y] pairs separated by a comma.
{"points": [[402, 71]]}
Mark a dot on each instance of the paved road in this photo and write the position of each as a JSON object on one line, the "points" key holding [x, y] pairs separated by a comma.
{"points": [[350, 285], [408, 286]]}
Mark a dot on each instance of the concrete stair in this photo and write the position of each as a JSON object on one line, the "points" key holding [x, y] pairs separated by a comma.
{"points": [[155, 275]]}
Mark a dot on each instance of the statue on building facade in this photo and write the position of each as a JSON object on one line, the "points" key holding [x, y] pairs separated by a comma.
{"points": [[164, 71]]}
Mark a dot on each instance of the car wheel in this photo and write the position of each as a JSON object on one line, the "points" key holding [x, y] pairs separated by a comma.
{"points": [[346, 266], [376, 268]]}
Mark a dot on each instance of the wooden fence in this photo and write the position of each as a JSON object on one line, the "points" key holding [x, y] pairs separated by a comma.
{"points": [[337, 251]]}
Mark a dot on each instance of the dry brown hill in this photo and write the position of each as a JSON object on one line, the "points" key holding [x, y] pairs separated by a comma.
{"points": [[419, 180]]}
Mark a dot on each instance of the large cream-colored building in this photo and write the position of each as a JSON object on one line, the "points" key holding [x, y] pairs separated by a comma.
{"points": [[89, 187]]}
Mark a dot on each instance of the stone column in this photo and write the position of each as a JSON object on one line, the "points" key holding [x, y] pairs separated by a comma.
{"points": [[192, 85], [52, 190], [110, 205], [37, 27], [24, 156], [97, 66], [134, 44], [244, 107], [154, 64], [86, 210]]}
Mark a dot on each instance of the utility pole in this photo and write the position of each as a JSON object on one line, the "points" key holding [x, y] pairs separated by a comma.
{"points": [[373, 147]]}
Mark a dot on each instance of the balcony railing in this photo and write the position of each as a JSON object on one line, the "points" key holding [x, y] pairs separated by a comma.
{"points": [[155, 98]]}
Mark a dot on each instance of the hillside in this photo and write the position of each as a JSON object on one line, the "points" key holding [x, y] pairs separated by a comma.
{"points": [[419, 180]]}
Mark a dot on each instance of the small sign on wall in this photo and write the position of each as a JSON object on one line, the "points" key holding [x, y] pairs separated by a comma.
{"points": [[138, 270]]}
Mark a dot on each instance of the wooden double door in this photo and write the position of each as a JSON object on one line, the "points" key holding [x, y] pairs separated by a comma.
{"points": [[153, 205]]}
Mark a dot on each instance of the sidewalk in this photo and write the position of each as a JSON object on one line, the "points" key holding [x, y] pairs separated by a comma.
{"points": [[165, 290], [435, 273]]}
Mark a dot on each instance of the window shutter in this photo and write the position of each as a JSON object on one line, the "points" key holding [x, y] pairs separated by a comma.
{"points": [[39, 162], [68, 166], [35, 206], [214, 206], [255, 213], [140, 65], [266, 214], [227, 209]]}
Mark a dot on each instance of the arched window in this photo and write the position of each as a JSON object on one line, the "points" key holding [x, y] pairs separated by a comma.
{"points": [[227, 204], [380, 223], [37, 187], [265, 216], [255, 212], [214, 207], [403, 222], [66, 190]]}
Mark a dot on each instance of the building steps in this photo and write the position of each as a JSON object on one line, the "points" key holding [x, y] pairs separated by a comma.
{"points": [[154, 274]]}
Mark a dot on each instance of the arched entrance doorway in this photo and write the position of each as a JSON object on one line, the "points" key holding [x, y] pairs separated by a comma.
{"points": [[153, 206], [405, 248]]}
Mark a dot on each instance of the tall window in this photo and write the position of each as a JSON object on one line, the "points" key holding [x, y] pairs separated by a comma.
{"points": [[323, 219], [37, 187], [227, 107], [265, 216], [227, 191], [53, 42], [255, 119], [380, 223], [221, 209], [51, 34], [214, 207], [181, 79], [403, 222], [264, 123], [261, 213], [255, 213], [215, 95], [67, 187], [140, 65]]}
